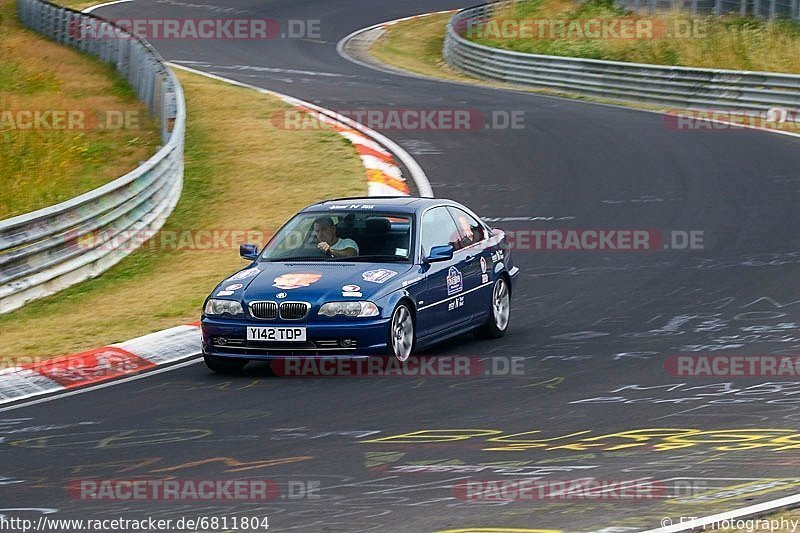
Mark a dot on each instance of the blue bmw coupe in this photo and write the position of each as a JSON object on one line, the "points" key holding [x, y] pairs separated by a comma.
{"points": [[362, 276]]}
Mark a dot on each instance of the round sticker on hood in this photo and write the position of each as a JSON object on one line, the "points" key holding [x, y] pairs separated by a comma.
{"points": [[234, 287], [296, 280], [351, 288]]}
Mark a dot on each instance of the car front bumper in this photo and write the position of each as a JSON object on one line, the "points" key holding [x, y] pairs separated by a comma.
{"points": [[228, 338]]}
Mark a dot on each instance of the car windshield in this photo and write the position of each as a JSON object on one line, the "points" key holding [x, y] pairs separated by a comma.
{"points": [[343, 236]]}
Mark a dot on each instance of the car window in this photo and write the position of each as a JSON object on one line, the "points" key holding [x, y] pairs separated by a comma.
{"points": [[439, 229], [374, 235], [471, 230]]}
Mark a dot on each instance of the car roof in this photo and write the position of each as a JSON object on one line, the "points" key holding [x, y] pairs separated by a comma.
{"points": [[401, 204]]}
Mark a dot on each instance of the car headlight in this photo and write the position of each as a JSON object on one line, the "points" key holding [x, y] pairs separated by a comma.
{"points": [[354, 309], [223, 307]]}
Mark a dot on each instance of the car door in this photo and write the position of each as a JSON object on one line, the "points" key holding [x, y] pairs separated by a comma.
{"points": [[476, 259], [440, 304]]}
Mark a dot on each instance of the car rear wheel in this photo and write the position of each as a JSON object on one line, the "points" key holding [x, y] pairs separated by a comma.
{"points": [[224, 365], [500, 314], [401, 332]]}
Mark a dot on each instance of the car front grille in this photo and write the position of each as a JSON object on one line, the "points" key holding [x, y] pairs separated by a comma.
{"points": [[264, 310], [294, 310]]}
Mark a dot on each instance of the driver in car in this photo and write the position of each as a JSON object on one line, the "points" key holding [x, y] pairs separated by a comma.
{"points": [[329, 242]]}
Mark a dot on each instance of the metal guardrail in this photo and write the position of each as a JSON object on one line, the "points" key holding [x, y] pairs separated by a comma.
{"points": [[47, 250], [767, 9], [681, 87]]}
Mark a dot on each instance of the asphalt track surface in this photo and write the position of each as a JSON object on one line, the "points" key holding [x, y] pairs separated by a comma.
{"points": [[588, 324]]}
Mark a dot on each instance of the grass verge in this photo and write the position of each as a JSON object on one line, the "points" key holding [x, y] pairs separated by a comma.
{"points": [[242, 173], [567, 28], [40, 166], [415, 45]]}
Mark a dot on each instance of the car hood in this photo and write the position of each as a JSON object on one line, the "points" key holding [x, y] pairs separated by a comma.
{"points": [[314, 282]]}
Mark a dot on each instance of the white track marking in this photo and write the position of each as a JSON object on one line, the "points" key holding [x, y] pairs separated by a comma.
{"points": [[98, 6]]}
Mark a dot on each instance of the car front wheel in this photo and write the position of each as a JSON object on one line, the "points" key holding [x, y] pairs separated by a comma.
{"points": [[224, 365], [500, 314], [401, 332]]}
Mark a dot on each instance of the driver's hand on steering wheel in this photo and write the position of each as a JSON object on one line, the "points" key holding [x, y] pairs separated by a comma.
{"points": [[325, 247]]}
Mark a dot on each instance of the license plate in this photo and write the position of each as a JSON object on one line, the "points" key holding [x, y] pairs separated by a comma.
{"points": [[276, 334]]}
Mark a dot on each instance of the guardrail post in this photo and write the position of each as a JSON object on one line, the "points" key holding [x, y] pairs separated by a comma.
{"points": [[169, 112]]}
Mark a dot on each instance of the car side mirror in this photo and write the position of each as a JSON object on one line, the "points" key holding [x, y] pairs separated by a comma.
{"points": [[440, 253], [248, 251]]}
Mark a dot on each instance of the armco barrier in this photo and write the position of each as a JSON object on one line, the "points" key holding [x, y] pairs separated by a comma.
{"points": [[682, 87], [42, 252]]}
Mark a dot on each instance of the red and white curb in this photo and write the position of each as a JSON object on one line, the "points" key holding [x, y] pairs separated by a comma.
{"points": [[101, 364]]}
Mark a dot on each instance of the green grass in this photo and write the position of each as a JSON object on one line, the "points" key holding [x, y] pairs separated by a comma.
{"points": [[41, 167]]}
